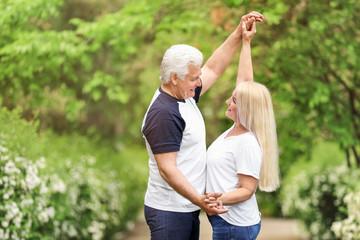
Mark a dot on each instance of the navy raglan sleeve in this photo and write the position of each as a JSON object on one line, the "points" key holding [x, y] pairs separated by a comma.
{"points": [[163, 130]]}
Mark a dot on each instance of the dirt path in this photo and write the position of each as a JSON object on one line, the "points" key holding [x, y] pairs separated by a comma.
{"points": [[271, 229]]}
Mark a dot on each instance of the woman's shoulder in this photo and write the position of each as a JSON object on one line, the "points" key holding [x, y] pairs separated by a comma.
{"points": [[248, 139]]}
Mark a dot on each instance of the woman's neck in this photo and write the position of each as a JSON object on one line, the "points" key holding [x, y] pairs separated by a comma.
{"points": [[237, 130]]}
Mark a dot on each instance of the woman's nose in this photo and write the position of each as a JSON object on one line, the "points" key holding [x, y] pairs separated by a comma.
{"points": [[198, 84]]}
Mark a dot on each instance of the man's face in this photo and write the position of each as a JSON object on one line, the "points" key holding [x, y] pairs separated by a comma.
{"points": [[186, 88]]}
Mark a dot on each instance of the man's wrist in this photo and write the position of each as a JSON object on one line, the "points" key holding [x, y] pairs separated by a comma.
{"points": [[198, 201]]}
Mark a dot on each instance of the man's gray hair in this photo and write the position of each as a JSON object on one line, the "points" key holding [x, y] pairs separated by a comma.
{"points": [[177, 59]]}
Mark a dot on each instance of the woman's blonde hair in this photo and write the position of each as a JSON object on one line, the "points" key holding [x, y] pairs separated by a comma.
{"points": [[255, 112]]}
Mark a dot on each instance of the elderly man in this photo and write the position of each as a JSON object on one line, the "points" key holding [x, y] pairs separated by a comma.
{"points": [[174, 133]]}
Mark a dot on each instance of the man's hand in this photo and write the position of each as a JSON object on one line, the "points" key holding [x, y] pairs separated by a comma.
{"points": [[248, 29], [257, 16], [212, 205], [249, 18]]}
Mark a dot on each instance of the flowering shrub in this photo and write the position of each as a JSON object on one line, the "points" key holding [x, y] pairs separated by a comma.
{"points": [[85, 207], [64, 194], [316, 197], [349, 228], [24, 195], [91, 207]]}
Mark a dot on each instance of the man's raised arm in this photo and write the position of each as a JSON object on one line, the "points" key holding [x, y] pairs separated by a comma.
{"points": [[221, 58]]}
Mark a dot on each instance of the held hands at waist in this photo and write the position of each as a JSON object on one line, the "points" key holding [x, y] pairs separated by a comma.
{"points": [[211, 204]]}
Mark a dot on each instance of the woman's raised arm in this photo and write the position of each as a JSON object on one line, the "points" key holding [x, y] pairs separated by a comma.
{"points": [[245, 70]]}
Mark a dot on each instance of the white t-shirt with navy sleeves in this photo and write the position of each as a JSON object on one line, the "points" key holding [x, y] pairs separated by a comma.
{"points": [[174, 125], [226, 158]]}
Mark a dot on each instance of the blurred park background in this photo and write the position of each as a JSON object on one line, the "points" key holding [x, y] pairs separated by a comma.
{"points": [[76, 77]]}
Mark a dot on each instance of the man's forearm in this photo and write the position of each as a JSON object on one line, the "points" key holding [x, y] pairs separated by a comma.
{"points": [[174, 177], [220, 60], [223, 55]]}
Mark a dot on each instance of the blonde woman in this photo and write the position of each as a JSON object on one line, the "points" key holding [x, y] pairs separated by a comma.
{"points": [[245, 156]]}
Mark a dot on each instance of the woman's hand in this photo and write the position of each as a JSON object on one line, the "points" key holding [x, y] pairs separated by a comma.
{"points": [[248, 19], [258, 17], [214, 204], [248, 29]]}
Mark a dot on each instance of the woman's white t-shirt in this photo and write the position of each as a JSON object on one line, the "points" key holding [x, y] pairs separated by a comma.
{"points": [[226, 158]]}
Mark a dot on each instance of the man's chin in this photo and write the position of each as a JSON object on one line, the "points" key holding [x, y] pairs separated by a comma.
{"points": [[191, 94]]}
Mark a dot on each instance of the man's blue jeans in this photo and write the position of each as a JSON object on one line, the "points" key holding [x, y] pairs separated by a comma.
{"points": [[166, 225], [223, 230]]}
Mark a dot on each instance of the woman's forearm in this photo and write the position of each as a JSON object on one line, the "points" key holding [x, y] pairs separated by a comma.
{"points": [[245, 70], [236, 196]]}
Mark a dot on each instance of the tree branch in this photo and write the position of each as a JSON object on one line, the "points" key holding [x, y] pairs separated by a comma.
{"points": [[348, 158], [356, 156]]}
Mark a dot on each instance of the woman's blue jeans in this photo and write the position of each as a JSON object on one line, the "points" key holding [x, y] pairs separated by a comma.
{"points": [[166, 225], [223, 230]]}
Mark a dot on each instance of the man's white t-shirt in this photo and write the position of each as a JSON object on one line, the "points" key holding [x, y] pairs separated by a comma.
{"points": [[175, 125], [226, 158]]}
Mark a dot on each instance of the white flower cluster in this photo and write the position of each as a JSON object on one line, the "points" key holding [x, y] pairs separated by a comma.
{"points": [[23, 195], [315, 197], [349, 228], [92, 197], [87, 205]]}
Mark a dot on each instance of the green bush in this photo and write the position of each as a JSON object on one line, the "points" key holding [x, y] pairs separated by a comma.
{"points": [[322, 154], [316, 197], [65, 187]]}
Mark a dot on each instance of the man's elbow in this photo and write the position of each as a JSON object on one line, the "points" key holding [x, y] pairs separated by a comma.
{"points": [[164, 173]]}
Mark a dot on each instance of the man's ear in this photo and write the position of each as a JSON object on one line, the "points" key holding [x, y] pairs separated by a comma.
{"points": [[173, 78]]}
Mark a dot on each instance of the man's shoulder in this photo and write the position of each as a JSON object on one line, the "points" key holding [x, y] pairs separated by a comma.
{"points": [[164, 105]]}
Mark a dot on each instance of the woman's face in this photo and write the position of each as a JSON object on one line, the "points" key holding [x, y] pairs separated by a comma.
{"points": [[231, 111]]}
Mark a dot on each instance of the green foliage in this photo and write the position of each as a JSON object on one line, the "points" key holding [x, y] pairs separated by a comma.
{"points": [[305, 52], [127, 166], [275, 11], [34, 57], [322, 155], [108, 82], [76, 188], [313, 69]]}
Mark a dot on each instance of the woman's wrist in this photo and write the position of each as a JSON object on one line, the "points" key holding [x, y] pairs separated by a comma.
{"points": [[246, 41]]}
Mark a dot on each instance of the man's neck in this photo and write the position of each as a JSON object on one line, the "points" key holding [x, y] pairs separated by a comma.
{"points": [[169, 89]]}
